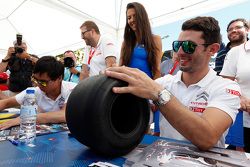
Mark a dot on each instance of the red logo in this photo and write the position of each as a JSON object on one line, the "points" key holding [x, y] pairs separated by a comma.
{"points": [[233, 92], [197, 109]]}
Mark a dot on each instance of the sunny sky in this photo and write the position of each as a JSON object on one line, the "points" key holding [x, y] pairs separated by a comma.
{"points": [[224, 16]]}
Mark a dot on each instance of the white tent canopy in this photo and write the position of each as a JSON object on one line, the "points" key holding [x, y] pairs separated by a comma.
{"points": [[50, 27]]}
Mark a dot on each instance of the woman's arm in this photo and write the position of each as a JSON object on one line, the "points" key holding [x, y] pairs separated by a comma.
{"points": [[158, 44]]}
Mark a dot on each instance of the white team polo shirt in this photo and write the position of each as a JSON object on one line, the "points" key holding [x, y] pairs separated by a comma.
{"points": [[46, 104], [104, 49], [211, 91], [236, 64]]}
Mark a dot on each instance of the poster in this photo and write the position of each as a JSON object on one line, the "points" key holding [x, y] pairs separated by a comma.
{"points": [[163, 153]]}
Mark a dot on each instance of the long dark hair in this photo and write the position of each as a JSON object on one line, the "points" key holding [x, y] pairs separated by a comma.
{"points": [[144, 36]]}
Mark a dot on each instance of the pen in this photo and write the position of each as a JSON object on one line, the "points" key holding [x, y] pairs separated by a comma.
{"points": [[13, 141]]}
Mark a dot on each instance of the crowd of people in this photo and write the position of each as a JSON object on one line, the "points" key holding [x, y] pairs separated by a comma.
{"points": [[190, 100]]}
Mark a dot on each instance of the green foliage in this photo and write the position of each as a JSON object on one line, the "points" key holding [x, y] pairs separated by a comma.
{"points": [[79, 55]]}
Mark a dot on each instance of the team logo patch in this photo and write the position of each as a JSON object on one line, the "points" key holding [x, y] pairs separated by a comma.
{"points": [[200, 103], [233, 92], [204, 95], [61, 102]]}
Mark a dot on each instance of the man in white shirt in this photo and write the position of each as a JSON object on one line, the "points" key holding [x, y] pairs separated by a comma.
{"points": [[100, 52], [236, 67], [196, 104], [52, 93]]}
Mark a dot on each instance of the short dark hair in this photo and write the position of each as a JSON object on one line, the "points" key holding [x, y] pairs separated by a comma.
{"points": [[245, 23], [208, 25], [91, 25], [68, 51], [49, 65]]}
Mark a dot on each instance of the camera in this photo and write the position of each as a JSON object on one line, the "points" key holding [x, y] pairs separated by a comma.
{"points": [[18, 50], [19, 43], [68, 62]]}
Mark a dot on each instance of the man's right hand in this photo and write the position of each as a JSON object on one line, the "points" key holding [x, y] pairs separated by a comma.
{"points": [[139, 83], [85, 72]]}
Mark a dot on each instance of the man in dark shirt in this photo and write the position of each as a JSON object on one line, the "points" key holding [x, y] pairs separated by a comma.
{"points": [[20, 65], [237, 34]]}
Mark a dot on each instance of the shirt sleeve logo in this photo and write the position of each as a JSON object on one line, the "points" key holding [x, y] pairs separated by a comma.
{"points": [[233, 92]]}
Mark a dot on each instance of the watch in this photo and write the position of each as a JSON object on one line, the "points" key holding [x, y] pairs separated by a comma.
{"points": [[163, 98]]}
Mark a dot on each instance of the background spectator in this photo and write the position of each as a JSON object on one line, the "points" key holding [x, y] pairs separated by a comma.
{"points": [[237, 34], [20, 64], [100, 52], [140, 48], [236, 67], [71, 69]]}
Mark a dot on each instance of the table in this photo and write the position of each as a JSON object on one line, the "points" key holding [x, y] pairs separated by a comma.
{"points": [[62, 150], [57, 149]]}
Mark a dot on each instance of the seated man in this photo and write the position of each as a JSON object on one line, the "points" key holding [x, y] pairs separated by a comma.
{"points": [[51, 93], [196, 104]]}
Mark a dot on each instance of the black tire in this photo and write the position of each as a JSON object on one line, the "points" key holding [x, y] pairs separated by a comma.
{"points": [[111, 124]]}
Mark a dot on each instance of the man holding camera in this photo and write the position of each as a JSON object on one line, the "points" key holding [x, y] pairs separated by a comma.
{"points": [[20, 64], [71, 70]]}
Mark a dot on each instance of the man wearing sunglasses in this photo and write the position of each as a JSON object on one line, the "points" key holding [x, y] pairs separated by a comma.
{"points": [[51, 93], [100, 52], [196, 104]]}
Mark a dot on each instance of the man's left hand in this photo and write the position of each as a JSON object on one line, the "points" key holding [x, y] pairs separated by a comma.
{"points": [[10, 123]]}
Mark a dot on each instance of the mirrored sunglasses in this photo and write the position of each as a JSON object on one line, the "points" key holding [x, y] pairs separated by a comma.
{"points": [[187, 46]]}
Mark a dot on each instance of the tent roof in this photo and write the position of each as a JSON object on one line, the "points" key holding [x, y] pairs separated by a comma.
{"points": [[52, 26]]}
